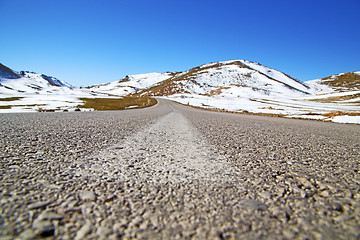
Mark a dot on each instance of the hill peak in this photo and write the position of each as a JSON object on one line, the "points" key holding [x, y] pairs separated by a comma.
{"points": [[8, 73], [230, 74], [349, 80]]}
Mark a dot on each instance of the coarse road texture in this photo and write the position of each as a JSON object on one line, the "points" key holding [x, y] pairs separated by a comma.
{"points": [[174, 172]]}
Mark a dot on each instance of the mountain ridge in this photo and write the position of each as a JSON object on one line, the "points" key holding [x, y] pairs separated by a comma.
{"points": [[235, 85], [26, 81], [341, 82], [241, 72], [177, 76]]}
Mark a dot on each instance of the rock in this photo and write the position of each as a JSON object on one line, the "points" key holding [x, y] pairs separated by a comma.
{"points": [[304, 181], [226, 236], [137, 221], [300, 204], [276, 210], [289, 234], [280, 191], [325, 193], [16, 167], [343, 218], [337, 206], [28, 234], [254, 204], [265, 195], [321, 186], [50, 216], [84, 230], [38, 205], [87, 196], [108, 198], [104, 229], [44, 228], [6, 238]]}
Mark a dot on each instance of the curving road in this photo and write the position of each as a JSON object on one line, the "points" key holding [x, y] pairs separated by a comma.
{"points": [[174, 172]]}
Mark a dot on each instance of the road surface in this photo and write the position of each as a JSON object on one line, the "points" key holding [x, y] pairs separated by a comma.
{"points": [[174, 172]]}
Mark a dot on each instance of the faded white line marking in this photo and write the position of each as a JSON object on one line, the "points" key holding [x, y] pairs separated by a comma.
{"points": [[169, 150]]}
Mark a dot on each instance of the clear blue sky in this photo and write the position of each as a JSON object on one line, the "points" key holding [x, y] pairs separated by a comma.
{"points": [[85, 42]]}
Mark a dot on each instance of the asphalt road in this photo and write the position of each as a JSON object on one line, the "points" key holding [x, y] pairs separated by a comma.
{"points": [[174, 172]]}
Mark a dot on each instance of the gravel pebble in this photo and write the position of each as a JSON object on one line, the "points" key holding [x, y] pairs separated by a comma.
{"points": [[87, 196]]}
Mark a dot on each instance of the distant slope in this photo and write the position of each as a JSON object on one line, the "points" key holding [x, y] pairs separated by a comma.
{"points": [[130, 84], [236, 77], [341, 89], [349, 81], [12, 82], [28, 92]]}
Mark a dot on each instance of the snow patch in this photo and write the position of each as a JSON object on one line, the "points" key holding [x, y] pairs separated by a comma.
{"points": [[346, 119]]}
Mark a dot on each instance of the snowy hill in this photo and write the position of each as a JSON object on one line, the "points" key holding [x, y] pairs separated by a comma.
{"points": [[130, 84], [239, 85], [239, 77], [29, 91], [342, 82], [341, 90], [244, 86], [24, 82]]}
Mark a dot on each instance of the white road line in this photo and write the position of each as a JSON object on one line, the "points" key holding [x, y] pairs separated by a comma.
{"points": [[170, 150]]}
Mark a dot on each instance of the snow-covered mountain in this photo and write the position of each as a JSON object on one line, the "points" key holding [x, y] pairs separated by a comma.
{"points": [[24, 82], [238, 85], [244, 86], [341, 90], [131, 84], [29, 91], [240, 78], [343, 82]]}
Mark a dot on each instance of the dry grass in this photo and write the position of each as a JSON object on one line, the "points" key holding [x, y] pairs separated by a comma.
{"points": [[328, 115], [348, 80], [101, 104], [29, 106], [10, 99], [217, 91], [271, 108], [5, 107], [240, 111], [337, 98], [338, 113], [244, 112]]}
